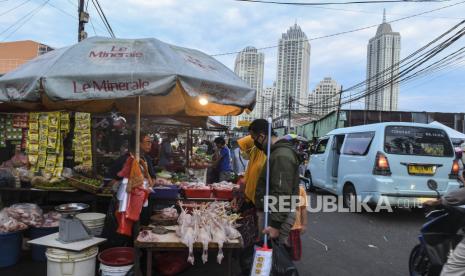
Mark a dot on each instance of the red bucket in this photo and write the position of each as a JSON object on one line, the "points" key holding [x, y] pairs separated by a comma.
{"points": [[117, 256]]}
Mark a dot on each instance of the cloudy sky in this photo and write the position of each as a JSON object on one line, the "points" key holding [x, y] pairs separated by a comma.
{"points": [[222, 26]]}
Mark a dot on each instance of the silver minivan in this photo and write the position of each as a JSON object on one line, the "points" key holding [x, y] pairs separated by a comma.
{"points": [[388, 161]]}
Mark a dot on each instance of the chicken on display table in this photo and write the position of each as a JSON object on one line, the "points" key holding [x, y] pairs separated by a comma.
{"points": [[210, 228]]}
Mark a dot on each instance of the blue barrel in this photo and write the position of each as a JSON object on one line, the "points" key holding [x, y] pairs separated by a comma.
{"points": [[38, 251], [10, 248]]}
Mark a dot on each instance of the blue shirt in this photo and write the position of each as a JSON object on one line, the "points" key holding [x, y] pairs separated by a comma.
{"points": [[225, 162]]}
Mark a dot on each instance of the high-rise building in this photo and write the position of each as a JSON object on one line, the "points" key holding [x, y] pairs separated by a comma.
{"points": [[324, 98], [249, 66], [229, 121], [382, 69], [267, 102], [293, 72], [13, 54]]}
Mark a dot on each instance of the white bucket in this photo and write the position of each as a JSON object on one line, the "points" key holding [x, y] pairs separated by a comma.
{"points": [[93, 221], [68, 263], [106, 270]]}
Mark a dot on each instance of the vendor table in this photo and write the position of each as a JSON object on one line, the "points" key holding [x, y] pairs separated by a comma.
{"points": [[171, 242]]}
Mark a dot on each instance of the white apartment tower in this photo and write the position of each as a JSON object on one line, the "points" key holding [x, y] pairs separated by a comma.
{"points": [[382, 69], [293, 72], [249, 66], [324, 98], [268, 102]]}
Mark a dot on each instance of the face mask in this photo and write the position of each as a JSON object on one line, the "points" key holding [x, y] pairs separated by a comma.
{"points": [[258, 145], [261, 146]]}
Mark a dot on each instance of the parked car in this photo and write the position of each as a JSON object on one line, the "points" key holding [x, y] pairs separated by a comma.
{"points": [[390, 160]]}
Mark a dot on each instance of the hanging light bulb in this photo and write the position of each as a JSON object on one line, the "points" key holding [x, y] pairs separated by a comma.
{"points": [[203, 100]]}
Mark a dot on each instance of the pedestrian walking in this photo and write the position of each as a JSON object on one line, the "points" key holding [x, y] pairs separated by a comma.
{"points": [[283, 181]]}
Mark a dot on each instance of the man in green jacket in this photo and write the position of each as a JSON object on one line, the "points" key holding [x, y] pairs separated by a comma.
{"points": [[284, 182]]}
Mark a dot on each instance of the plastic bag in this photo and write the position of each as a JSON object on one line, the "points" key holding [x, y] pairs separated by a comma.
{"points": [[126, 170], [136, 200], [282, 262], [124, 224], [296, 245], [27, 213], [136, 178], [51, 219], [7, 179], [9, 224]]}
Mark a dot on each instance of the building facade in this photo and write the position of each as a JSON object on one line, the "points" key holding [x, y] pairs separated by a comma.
{"points": [[348, 118], [249, 66], [267, 102], [324, 98], [293, 72], [383, 56], [229, 121], [13, 54]]}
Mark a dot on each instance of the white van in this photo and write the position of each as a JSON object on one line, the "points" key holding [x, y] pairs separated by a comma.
{"points": [[390, 160]]}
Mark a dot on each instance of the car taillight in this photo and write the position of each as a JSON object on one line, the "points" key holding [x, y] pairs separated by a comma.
{"points": [[454, 173], [381, 165]]}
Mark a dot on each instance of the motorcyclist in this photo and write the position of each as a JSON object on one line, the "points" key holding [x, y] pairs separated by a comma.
{"points": [[455, 265]]}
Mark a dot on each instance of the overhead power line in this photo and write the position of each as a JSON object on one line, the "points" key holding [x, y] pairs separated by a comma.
{"points": [[411, 69], [103, 17], [63, 11], [409, 73], [14, 8], [335, 3], [21, 21], [353, 30], [371, 12]]}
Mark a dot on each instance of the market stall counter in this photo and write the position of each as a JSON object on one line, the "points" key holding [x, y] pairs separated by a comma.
{"points": [[171, 242]]}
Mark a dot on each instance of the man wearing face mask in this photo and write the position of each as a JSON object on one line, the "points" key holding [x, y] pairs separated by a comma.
{"points": [[284, 181]]}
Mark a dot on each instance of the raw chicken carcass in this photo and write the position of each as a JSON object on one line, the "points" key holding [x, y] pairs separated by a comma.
{"points": [[205, 238], [219, 237], [188, 240]]}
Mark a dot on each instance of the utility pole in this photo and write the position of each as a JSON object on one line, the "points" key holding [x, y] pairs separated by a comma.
{"points": [[338, 108], [83, 19], [289, 106]]}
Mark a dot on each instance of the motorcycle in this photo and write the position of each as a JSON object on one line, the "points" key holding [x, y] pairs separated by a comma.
{"points": [[443, 230]]}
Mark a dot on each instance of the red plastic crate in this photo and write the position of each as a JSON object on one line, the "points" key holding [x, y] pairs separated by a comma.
{"points": [[197, 193], [223, 194]]}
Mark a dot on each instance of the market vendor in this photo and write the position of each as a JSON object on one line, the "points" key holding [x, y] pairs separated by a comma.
{"points": [[223, 160], [111, 224], [166, 151], [145, 147]]}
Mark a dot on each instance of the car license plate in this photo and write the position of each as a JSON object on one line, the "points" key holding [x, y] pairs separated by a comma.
{"points": [[422, 170]]}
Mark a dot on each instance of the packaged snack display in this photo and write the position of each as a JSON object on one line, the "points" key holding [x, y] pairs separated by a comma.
{"points": [[82, 142], [11, 128], [45, 141]]}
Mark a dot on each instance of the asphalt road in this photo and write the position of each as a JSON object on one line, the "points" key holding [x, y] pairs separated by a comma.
{"points": [[339, 244]]}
